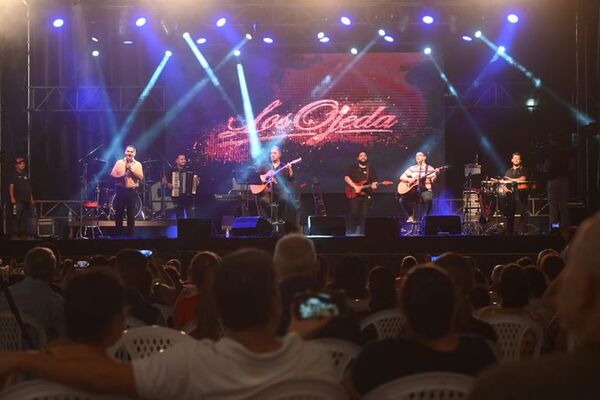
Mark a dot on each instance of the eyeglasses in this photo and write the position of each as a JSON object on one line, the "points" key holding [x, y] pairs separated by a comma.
{"points": [[20, 162]]}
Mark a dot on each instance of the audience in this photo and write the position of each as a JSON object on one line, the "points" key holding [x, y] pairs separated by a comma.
{"points": [[428, 302], [536, 282], [552, 265], [382, 290], [250, 358], [567, 375], [33, 295], [350, 275]]}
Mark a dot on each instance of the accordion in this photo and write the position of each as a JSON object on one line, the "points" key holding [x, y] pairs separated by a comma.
{"points": [[184, 183]]}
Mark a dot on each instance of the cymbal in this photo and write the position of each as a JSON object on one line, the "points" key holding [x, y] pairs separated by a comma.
{"points": [[98, 160]]}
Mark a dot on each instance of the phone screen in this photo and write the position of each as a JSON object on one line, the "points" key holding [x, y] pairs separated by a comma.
{"points": [[147, 253], [82, 264], [317, 305]]}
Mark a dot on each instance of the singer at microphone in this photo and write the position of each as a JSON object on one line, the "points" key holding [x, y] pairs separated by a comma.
{"points": [[127, 173]]}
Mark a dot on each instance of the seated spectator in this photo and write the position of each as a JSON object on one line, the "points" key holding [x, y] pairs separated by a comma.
{"points": [[196, 303], [464, 280], [407, 263], [33, 295], [382, 291], [536, 282], [495, 283], [350, 275], [552, 265], [524, 261], [131, 266], [428, 302], [249, 359], [569, 375], [544, 253]]}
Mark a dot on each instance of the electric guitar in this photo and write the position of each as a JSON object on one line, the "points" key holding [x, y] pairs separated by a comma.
{"points": [[405, 187], [362, 185], [268, 177]]}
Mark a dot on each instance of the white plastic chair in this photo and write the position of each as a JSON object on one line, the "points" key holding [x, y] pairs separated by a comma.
{"points": [[512, 331], [132, 322], [342, 353], [39, 389], [302, 389], [11, 338], [387, 323], [430, 386], [166, 312], [145, 341]]}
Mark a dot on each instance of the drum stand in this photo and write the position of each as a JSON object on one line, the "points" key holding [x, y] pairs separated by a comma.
{"points": [[470, 226]]}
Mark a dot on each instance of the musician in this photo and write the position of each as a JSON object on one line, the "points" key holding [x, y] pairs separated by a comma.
{"points": [[21, 200], [128, 173], [184, 203], [279, 190], [422, 176], [519, 201], [358, 175]]}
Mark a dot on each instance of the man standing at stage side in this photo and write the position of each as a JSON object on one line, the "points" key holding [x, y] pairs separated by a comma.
{"points": [[279, 191], [358, 175], [422, 176], [128, 173], [184, 203], [21, 200], [520, 205]]}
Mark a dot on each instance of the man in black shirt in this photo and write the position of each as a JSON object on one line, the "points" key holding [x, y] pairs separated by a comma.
{"points": [[21, 199], [184, 202], [517, 200], [358, 175], [279, 191]]}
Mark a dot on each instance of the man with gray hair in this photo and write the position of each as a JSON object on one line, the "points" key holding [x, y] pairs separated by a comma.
{"points": [[295, 261], [573, 375], [33, 295]]}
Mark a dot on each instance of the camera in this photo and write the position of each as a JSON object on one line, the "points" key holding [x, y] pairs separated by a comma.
{"points": [[319, 304]]}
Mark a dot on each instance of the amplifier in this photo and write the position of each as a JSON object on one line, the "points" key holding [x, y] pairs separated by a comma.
{"points": [[45, 227]]}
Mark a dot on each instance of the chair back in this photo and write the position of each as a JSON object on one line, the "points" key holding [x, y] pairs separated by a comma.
{"points": [[166, 312], [430, 386], [39, 389], [387, 323], [342, 353], [302, 389], [132, 322], [11, 337], [147, 340], [518, 336]]}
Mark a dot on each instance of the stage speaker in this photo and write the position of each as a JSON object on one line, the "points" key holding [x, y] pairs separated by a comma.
{"points": [[382, 227], [45, 228], [441, 225], [251, 226], [331, 226], [194, 228]]}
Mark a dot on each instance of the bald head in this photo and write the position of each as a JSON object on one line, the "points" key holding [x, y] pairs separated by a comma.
{"points": [[294, 255]]}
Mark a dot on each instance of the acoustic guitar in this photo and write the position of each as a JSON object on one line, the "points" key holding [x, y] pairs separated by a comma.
{"points": [[268, 177], [405, 187], [351, 193]]}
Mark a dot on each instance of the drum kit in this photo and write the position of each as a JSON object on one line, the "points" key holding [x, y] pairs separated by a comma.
{"points": [[483, 208]]}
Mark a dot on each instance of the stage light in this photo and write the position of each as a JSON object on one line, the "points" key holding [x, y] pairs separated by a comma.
{"points": [[381, 32], [58, 23], [501, 49], [346, 21], [95, 53], [478, 34], [95, 39], [127, 41], [388, 38], [141, 21], [248, 36], [531, 103], [268, 40], [221, 22], [427, 19], [537, 83], [512, 18], [467, 38], [324, 39], [201, 40], [168, 53], [427, 50], [354, 51], [320, 35], [237, 53]]}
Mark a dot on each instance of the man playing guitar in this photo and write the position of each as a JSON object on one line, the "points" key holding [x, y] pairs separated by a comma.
{"points": [[277, 188], [418, 179], [358, 175]]}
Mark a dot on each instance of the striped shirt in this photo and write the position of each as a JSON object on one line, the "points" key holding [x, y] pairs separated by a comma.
{"points": [[416, 171]]}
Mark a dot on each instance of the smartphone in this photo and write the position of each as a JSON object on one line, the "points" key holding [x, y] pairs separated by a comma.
{"points": [[147, 253], [319, 304], [434, 258], [555, 226], [82, 264]]}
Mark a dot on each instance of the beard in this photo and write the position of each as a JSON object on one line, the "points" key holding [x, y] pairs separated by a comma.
{"points": [[362, 163]]}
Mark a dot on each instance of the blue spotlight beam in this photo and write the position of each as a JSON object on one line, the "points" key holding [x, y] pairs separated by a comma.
{"points": [[255, 148]]}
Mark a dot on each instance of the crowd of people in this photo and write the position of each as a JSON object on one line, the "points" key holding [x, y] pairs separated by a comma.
{"points": [[242, 311]]}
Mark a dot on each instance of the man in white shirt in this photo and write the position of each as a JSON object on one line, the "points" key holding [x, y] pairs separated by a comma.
{"points": [[419, 178], [249, 359], [128, 173]]}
